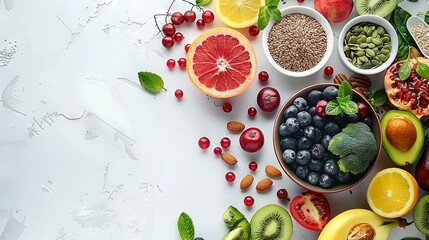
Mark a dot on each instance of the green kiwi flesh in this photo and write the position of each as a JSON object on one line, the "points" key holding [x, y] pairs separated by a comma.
{"points": [[232, 217], [381, 8], [271, 222], [421, 215], [234, 234]]}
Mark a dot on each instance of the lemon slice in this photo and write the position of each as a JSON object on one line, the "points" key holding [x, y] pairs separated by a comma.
{"points": [[238, 13]]}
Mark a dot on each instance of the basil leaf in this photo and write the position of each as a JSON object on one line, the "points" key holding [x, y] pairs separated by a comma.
{"points": [[273, 3], [378, 98], [405, 70], [398, 19], [275, 13], [263, 17], [185, 227], [151, 82], [202, 2], [345, 89], [333, 108], [423, 70]]}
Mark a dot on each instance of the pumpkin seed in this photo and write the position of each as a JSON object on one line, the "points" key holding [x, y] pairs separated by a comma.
{"points": [[363, 45], [377, 41], [360, 53], [381, 57], [371, 45], [370, 52], [363, 59], [380, 30], [369, 40], [375, 62], [384, 51]]}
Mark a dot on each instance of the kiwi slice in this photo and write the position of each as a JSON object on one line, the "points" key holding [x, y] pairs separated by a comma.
{"points": [[421, 215], [242, 233], [381, 8], [271, 222], [232, 216]]}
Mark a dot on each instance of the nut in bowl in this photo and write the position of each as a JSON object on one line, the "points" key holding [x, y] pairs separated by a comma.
{"points": [[326, 153], [299, 44], [368, 44]]}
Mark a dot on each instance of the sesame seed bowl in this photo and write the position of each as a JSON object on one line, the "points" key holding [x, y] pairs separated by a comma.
{"points": [[300, 44]]}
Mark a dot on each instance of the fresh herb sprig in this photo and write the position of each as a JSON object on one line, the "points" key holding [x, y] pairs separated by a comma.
{"points": [[405, 70], [151, 82], [344, 102], [267, 12], [378, 98], [185, 227]]}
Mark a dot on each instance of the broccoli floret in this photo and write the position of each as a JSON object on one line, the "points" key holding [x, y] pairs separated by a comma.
{"points": [[356, 147]]}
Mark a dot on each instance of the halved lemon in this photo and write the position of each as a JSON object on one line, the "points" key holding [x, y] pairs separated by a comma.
{"points": [[238, 13], [392, 193]]}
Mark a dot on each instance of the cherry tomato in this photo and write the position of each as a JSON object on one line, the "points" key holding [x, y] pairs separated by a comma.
{"points": [[311, 210], [268, 99], [252, 139]]}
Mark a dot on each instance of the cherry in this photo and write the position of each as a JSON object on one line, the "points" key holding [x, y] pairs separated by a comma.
{"points": [[217, 151], [227, 107], [178, 37], [207, 16], [362, 110], [225, 142], [189, 16], [200, 23], [263, 76], [328, 70], [178, 93], [254, 31], [252, 111], [230, 177], [177, 18], [187, 46], [182, 62], [253, 166], [168, 29], [204, 143], [282, 194], [249, 201], [321, 107], [171, 63], [167, 41]]}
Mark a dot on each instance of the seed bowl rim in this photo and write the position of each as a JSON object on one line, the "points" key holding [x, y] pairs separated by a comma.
{"points": [[325, 25], [376, 130], [371, 19]]}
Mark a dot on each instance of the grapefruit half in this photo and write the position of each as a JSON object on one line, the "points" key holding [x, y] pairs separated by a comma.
{"points": [[221, 62]]}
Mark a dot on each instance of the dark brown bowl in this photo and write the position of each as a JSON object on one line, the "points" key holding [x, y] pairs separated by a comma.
{"points": [[376, 130]]}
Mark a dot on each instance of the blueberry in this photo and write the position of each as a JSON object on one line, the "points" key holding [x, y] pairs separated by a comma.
{"points": [[319, 121], [367, 121], [313, 178], [315, 165], [312, 111], [293, 165], [288, 142], [325, 181], [292, 125], [283, 131], [331, 128], [304, 118], [301, 171], [290, 111], [310, 132], [299, 134], [339, 119], [317, 136], [303, 157], [289, 156], [331, 167], [304, 143], [352, 118], [343, 177], [330, 93], [313, 97], [317, 151], [300, 103], [325, 141], [198, 238]]}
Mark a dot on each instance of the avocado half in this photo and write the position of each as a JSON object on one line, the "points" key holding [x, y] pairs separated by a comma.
{"points": [[398, 136]]}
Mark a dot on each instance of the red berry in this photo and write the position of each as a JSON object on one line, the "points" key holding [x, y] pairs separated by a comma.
{"points": [[182, 62], [252, 111], [249, 201], [227, 107], [168, 29], [300, 1], [200, 23], [321, 107], [225, 142], [187, 46], [178, 37], [263, 76], [282, 194], [217, 151], [207, 16], [177, 18], [171, 63], [167, 41], [254, 31], [328, 70], [204, 143], [178, 93], [189, 16], [253, 166], [230, 177], [362, 110]]}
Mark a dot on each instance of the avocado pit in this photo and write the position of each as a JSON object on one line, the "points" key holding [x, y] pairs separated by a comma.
{"points": [[401, 133], [361, 231]]}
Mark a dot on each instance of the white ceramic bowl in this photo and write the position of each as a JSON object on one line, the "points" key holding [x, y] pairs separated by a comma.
{"points": [[410, 22], [326, 26], [369, 19]]}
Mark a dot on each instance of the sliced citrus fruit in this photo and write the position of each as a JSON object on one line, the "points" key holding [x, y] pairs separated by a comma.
{"points": [[221, 62], [392, 193], [238, 13]]}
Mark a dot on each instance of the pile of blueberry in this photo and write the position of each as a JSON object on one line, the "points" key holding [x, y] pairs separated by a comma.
{"points": [[305, 136]]}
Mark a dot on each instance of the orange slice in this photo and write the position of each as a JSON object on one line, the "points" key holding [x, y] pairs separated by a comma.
{"points": [[392, 193], [238, 13], [221, 62]]}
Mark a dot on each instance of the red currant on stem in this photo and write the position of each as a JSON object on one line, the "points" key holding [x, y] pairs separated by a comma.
{"points": [[254, 31], [230, 177], [227, 107], [168, 29], [225, 142], [253, 166], [249, 201], [171, 63], [182, 62], [177, 18], [178, 37], [207, 16], [200, 23], [328, 70], [178, 93], [167, 41], [204, 143], [263, 76], [252, 111], [189, 16], [217, 151]]}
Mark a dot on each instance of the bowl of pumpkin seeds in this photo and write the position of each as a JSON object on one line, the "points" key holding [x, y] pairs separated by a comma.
{"points": [[368, 44]]}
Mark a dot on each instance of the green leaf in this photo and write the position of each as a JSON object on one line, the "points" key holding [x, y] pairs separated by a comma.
{"points": [[151, 82], [349, 107], [345, 89], [378, 98], [263, 17], [410, 238], [427, 17], [272, 3], [333, 108], [405, 70], [275, 13], [423, 70], [203, 2], [185, 227]]}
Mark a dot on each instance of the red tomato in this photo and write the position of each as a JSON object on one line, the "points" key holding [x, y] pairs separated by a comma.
{"points": [[311, 210]]}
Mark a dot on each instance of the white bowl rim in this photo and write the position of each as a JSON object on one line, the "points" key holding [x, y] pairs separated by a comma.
{"points": [[329, 34], [410, 22], [379, 21]]}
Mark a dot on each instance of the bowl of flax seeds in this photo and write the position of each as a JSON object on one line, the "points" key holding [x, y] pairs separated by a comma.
{"points": [[299, 44]]}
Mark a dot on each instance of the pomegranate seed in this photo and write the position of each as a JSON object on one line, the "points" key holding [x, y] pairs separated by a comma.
{"points": [[217, 151], [182, 62], [187, 47], [204, 143], [253, 166], [418, 84], [171, 63], [405, 90], [252, 111], [227, 107], [200, 24], [328, 70], [225, 142], [178, 93], [254, 31], [413, 103], [178, 37], [249, 201], [282, 194], [230, 177], [263, 76]]}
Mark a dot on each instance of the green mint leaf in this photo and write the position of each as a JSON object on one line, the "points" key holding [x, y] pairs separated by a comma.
{"points": [[275, 13], [333, 108], [423, 70], [378, 98], [349, 107], [345, 89], [151, 82], [263, 17], [185, 227], [405, 70], [202, 2], [272, 3]]}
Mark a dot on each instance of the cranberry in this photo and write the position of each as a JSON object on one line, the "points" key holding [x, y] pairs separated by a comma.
{"points": [[230, 177], [178, 93], [252, 139], [178, 37], [207, 16], [263, 76], [252, 111], [171, 63], [189, 16], [254, 31], [328, 70], [217, 151], [177, 18], [227, 107], [249, 201], [362, 110], [204, 143], [187, 46], [225, 142], [253, 166], [182, 62], [282, 194], [168, 29], [200, 23], [300, 1], [167, 41], [321, 107], [268, 99]]}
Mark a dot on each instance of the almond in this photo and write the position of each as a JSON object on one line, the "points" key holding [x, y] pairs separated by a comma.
{"points": [[273, 171], [235, 126], [264, 185], [228, 158], [246, 182]]}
